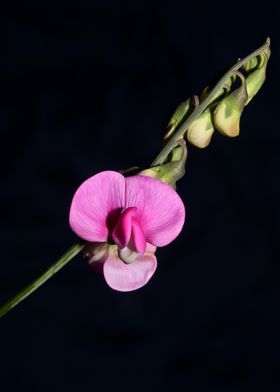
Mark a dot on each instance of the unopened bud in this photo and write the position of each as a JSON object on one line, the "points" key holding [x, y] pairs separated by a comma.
{"points": [[176, 118], [201, 130], [256, 78], [228, 112], [173, 169]]}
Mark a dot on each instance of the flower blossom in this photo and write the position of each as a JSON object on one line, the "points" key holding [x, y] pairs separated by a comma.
{"points": [[125, 220]]}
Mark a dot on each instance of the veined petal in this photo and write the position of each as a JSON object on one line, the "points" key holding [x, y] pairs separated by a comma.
{"points": [[95, 204], [138, 236], [160, 210], [128, 277], [122, 231]]}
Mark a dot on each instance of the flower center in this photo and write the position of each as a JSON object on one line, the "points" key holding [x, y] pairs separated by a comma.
{"points": [[129, 236]]}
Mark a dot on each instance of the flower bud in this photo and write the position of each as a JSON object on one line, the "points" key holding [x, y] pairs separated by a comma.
{"points": [[256, 78], [174, 167], [251, 64], [228, 112], [257, 61], [226, 87], [201, 130], [183, 109]]}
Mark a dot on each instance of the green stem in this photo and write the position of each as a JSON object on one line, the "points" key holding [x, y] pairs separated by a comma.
{"points": [[203, 105], [53, 269]]}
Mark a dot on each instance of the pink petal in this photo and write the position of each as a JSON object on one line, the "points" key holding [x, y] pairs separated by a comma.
{"points": [[129, 277], [122, 231], [94, 205], [138, 236], [160, 210]]}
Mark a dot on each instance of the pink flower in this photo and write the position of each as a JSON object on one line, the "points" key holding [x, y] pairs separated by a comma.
{"points": [[125, 219]]}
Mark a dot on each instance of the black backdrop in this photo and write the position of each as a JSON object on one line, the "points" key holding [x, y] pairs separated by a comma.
{"points": [[89, 86]]}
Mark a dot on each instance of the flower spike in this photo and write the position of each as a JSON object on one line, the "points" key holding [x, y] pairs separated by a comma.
{"points": [[123, 218]]}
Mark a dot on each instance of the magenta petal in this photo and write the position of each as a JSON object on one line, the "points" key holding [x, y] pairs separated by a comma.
{"points": [[93, 202], [160, 210], [122, 231], [129, 277], [138, 236]]}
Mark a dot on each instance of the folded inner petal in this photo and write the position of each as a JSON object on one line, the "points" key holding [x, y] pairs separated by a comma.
{"points": [[138, 237], [122, 231]]}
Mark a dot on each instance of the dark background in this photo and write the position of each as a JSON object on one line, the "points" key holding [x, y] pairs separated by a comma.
{"points": [[89, 86]]}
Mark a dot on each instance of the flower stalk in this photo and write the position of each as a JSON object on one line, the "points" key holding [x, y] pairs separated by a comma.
{"points": [[51, 271], [179, 134]]}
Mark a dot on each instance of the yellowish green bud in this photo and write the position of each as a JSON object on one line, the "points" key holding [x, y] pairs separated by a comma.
{"points": [[252, 64], [176, 118], [256, 78], [228, 112], [201, 130]]}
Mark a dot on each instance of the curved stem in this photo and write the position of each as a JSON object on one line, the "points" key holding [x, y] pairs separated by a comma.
{"points": [[53, 269], [203, 105]]}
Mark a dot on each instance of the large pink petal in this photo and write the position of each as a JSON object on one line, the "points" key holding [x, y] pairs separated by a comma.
{"points": [[160, 210], [95, 203], [129, 277]]}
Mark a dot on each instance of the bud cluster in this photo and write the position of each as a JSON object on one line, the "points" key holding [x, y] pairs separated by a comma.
{"points": [[219, 107], [225, 105]]}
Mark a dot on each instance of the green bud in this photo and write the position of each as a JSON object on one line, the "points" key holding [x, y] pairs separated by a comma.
{"points": [[258, 61], [228, 112], [256, 78], [174, 167], [252, 64], [201, 130], [183, 109]]}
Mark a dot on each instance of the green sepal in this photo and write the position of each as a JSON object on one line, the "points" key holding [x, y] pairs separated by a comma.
{"points": [[174, 167]]}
